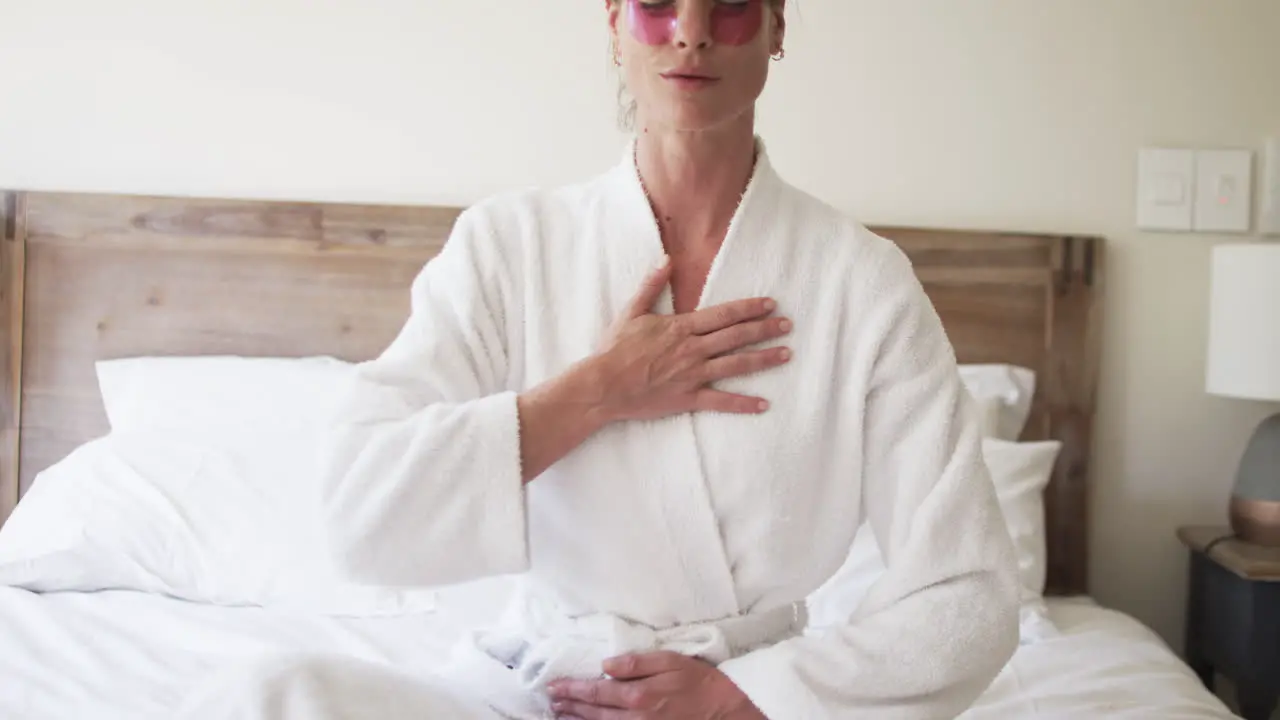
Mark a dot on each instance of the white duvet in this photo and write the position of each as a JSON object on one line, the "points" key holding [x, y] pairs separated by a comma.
{"points": [[128, 655]]}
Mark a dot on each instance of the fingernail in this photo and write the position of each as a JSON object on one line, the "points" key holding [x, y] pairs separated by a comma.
{"points": [[662, 262], [764, 405], [770, 305], [786, 354], [785, 325]]}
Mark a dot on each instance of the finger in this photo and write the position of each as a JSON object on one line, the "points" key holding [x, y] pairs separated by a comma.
{"points": [[709, 400], [743, 363], [719, 317], [585, 711], [643, 665], [650, 289], [743, 334], [597, 693]]}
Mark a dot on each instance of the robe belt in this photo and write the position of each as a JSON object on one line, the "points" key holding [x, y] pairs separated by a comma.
{"points": [[551, 647]]}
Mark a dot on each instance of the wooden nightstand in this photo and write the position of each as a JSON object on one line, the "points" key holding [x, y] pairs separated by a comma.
{"points": [[1233, 616]]}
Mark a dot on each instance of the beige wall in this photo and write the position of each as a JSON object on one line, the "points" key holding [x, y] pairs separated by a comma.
{"points": [[989, 113]]}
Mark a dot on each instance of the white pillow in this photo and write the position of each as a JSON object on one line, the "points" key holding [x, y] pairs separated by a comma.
{"points": [[202, 490], [991, 413], [1020, 472], [1010, 387], [217, 397]]}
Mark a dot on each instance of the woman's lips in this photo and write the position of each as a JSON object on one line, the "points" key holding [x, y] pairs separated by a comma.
{"points": [[689, 81]]}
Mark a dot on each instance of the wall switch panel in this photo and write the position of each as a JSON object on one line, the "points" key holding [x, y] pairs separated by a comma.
{"points": [[1166, 189], [1224, 191]]}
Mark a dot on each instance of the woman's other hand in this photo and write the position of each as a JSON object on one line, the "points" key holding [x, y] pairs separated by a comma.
{"points": [[654, 365], [653, 686]]}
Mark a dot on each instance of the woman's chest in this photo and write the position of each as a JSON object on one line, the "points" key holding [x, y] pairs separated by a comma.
{"points": [[689, 273]]}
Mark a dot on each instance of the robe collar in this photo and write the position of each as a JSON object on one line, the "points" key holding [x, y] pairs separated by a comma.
{"points": [[763, 174], [757, 213]]}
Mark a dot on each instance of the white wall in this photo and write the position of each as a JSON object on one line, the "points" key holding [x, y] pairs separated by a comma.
{"points": [[987, 113]]}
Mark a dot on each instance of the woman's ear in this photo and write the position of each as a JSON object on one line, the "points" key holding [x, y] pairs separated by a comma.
{"points": [[779, 9], [612, 7]]}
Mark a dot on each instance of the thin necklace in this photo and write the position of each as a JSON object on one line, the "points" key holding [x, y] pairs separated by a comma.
{"points": [[653, 208]]}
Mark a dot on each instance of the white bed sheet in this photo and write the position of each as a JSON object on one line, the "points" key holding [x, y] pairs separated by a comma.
{"points": [[117, 655], [1105, 664]]}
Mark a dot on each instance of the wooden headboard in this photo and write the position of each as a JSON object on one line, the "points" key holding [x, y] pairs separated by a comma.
{"points": [[88, 277]]}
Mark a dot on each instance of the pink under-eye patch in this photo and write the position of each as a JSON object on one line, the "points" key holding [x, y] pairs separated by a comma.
{"points": [[652, 23], [732, 23], [737, 23]]}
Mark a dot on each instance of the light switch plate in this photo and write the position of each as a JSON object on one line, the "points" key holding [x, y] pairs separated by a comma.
{"points": [[1224, 190], [1166, 189]]}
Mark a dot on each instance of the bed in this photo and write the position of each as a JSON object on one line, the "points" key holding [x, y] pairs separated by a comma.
{"points": [[130, 321]]}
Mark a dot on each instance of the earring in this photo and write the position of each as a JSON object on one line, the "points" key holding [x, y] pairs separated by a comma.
{"points": [[617, 61], [777, 57]]}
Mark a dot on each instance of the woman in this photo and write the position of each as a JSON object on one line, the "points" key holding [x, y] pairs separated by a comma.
{"points": [[668, 397]]}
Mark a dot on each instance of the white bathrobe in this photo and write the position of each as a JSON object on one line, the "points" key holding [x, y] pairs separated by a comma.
{"points": [[702, 533]]}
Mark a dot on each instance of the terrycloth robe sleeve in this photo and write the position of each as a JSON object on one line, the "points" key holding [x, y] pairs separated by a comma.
{"points": [[422, 478], [942, 621]]}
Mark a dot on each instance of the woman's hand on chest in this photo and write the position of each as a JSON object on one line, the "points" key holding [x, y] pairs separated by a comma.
{"points": [[651, 366]]}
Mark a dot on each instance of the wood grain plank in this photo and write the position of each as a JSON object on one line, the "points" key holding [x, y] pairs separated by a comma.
{"points": [[1248, 561], [251, 227], [12, 294], [1070, 388], [1033, 277], [992, 323]]}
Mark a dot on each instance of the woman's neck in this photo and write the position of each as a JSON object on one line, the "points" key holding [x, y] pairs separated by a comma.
{"points": [[695, 181]]}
